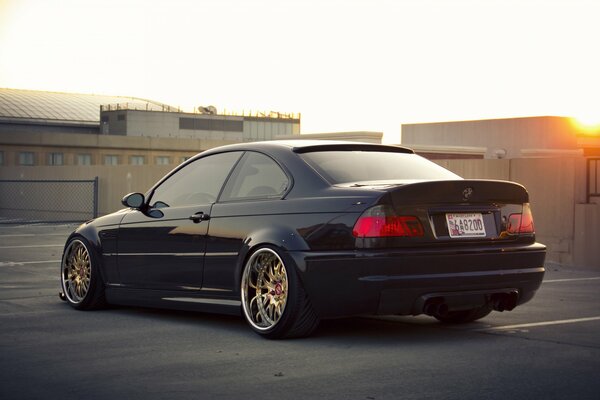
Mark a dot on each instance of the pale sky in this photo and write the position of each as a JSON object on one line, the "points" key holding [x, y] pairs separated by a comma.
{"points": [[345, 65]]}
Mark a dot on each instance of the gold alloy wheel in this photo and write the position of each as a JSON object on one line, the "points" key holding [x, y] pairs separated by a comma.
{"points": [[76, 272], [264, 289]]}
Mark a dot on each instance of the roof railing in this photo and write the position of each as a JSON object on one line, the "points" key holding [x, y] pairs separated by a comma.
{"points": [[210, 110]]}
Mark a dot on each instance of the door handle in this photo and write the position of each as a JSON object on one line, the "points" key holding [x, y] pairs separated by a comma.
{"points": [[199, 216]]}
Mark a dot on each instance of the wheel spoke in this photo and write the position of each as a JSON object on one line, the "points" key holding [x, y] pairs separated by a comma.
{"points": [[264, 289], [77, 272]]}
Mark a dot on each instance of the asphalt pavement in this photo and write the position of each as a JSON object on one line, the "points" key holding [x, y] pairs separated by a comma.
{"points": [[546, 349]]}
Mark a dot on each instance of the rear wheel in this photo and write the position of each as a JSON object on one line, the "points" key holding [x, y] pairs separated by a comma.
{"points": [[461, 317], [273, 299], [80, 276]]}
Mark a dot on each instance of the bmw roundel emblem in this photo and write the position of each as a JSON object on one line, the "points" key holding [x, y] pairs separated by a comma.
{"points": [[467, 193]]}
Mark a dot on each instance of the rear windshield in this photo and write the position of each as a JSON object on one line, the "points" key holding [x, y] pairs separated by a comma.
{"points": [[374, 167]]}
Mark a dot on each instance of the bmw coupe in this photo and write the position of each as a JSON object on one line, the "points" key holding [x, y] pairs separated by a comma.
{"points": [[287, 233]]}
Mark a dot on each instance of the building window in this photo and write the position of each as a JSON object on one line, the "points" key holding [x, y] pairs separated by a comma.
{"points": [[121, 117], [162, 160], [1, 158], [84, 159], [26, 158], [211, 124], [184, 159], [111, 159], [55, 159], [137, 160]]}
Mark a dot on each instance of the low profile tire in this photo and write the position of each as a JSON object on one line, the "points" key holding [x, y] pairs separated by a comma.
{"points": [[80, 276], [273, 299], [462, 317]]}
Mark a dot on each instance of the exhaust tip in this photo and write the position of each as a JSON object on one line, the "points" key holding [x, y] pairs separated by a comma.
{"points": [[436, 307], [504, 301]]}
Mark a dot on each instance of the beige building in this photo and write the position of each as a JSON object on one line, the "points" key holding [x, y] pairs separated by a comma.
{"points": [[502, 138], [65, 129]]}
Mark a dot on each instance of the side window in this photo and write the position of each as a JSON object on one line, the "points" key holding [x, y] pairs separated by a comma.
{"points": [[197, 183], [256, 176]]}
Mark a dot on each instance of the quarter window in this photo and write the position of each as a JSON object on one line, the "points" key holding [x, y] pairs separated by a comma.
{"points": [[197, 183], [256, 176]]}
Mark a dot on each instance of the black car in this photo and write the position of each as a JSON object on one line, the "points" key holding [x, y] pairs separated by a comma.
{"points": [[291, 232]]}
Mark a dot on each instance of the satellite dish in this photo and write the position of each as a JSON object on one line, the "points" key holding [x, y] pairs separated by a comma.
{"points": [[207, 110]]}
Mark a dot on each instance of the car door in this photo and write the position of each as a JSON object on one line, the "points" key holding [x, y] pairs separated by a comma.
{"points": [[251, 194], [164, 247]]}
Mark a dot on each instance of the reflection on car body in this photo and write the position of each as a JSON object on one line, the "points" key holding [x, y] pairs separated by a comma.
{"points": [[291, 232]]}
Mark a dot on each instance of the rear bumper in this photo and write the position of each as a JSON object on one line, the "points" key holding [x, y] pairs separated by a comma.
{"points": [[399, 282]]}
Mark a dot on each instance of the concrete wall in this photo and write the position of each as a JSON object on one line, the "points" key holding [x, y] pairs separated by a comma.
{"points": [[512, 135], [586, 248], [555, 186]]}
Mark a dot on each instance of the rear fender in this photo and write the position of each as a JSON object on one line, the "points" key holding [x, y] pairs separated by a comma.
{"points": [[277, 237]]}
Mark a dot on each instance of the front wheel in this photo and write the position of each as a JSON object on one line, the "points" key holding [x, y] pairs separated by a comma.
{"points": [[273, 299], [80, 276]]}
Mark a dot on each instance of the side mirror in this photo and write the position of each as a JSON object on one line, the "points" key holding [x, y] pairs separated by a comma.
{"points": [[133, 200]]}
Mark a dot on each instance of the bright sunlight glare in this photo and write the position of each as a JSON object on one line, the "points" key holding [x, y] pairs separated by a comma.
{"points": [[588, 123]]}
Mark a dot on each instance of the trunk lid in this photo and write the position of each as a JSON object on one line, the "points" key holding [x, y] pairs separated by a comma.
{"points": [[457, 212]]}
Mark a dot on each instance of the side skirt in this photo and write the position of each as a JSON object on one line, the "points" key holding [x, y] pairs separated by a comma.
{"points": [[172, 300]]}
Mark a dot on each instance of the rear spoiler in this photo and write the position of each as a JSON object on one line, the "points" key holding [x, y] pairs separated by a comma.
{"points": [[352, 147], [459, 191]]}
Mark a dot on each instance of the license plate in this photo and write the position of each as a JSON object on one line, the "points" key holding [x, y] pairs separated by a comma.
{"points": [[465, 225]]}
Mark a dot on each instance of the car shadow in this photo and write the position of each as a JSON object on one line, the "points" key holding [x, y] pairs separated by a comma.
{"points": [[393, 329], [354, 330]]}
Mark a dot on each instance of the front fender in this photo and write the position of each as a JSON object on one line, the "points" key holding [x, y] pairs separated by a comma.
{"points": [[102, 235]]}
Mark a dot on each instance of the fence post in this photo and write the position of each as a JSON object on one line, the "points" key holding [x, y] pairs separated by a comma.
{"points": [[96, 197], [592, 184]]}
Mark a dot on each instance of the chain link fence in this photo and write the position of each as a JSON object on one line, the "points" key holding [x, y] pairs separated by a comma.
{"points": [[30, 201]]}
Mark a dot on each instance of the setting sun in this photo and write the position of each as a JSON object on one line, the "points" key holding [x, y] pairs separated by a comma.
{"points": [[588, 124]]}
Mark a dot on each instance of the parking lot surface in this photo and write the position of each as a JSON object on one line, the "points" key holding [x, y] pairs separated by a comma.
{"points": [[548, 348]]}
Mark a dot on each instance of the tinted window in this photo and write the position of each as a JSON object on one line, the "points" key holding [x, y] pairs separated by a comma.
{"points": [[256, 176], [374, 166], [197, 183]]}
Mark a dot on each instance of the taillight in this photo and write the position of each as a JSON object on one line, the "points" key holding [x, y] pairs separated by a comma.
{"points": [[521, 223], [381, 221]]}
